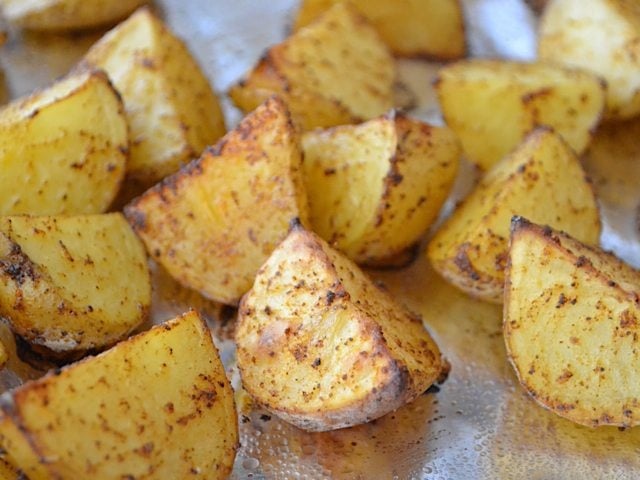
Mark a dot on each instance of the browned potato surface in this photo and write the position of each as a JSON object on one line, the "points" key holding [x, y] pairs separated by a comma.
{"points": [[570, 326], [375, 188], [603, 38], [213, 223], [334, 71], [413, 28], [171, 110], [72, 283], [320, 345], [543, 180], [158, 405], [493, 104], [65, 147]]}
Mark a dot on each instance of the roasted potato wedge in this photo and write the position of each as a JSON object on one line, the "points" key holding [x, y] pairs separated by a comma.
{"points": [[334, 71], [542, 179], [570, 326], [212, 224], [8, 472], [72, 283], [493, 104], [172, 112], [411, 28], [375, 188], [65, 147], [321, 346], [604, 39], [158, 405], [57, 15]]}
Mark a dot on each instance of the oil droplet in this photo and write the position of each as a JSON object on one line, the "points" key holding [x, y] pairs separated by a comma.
{"points": [[250, 463]]}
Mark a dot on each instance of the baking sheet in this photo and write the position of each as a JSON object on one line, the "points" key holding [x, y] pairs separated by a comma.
{"points": [[480, 424]]}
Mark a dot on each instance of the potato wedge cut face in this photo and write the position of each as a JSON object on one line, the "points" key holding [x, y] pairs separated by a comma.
{"points": [[492, 105], [543, 180], [604, 39], [375, 188], [212, 224], [324, 348], [570, 326], [411, 28], [72, 283], [56, 15], [171, 109], [63, 150], [159, 403]]}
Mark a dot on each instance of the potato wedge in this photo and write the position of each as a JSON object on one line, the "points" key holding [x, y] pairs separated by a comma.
{"points": [[322, 347], [172, 112], [158, 405], [72, 283], [375, 188], [570, 326], [411, 28], [7, 471], [212, 224], [334, 71], [493, 104], [65, 147], [543, 180], [56, 15], [604, 39]]}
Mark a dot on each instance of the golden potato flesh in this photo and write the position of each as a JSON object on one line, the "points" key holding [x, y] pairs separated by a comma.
{"points": [[375, 188], [212, 224], [63, 150], [491, 105], [172, 112], [570, 327], [542, 180], [158, 405], [320, 345], [66, 14], [8, 472], [334, 71], [72, 283], [603, 38], [412, 28]]}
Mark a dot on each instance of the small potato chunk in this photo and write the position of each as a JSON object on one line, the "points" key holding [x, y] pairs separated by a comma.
{"points": [[58, 15], [213, 223], [493, 104], [172, 112], [603, 37], [411, 28], [72, 283], [63, 150], [570, 327], [158, 405], [543, 180], [375, 188], [321, 346], [334, 71]]}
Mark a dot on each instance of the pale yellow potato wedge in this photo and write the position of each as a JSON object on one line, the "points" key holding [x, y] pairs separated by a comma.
{"points": [[603, 38], [213, 223], [321, 346], [411, 28], [7, 471], [74, 282], [492, 104], [334, 71], [63, 150], [375, 188], [158, 405], [171, 109], [570, 326], [58, 15], [542, 180]]}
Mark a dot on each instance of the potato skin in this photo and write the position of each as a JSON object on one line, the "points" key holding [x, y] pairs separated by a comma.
{"points": [[144, 409], [570, 326], [324, 348]]}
